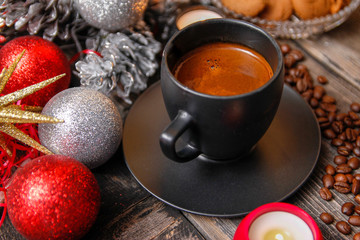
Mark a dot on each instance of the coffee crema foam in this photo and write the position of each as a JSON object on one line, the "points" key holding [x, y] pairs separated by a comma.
{"points": [[223, 69]]}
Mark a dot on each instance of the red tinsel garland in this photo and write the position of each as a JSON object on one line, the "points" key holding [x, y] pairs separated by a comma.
{"points": [[20, 153]]}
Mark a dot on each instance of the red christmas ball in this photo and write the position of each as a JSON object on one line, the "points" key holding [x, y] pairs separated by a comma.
{"points": [[42, 60], [53, 197]]}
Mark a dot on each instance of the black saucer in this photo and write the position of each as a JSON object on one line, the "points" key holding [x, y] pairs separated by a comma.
{"points": [[281, 162]]}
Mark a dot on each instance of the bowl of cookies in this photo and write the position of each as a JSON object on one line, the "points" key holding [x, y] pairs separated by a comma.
{"points": [[292, 19]]}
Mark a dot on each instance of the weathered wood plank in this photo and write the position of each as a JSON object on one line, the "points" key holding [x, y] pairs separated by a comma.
{"points": [[149, 219], [214, 228]]}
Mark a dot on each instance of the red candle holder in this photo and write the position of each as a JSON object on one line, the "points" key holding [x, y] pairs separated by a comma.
{"points": [[242, 232]]}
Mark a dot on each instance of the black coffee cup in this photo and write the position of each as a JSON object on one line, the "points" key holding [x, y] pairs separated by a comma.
{"points": [[219, 128]]}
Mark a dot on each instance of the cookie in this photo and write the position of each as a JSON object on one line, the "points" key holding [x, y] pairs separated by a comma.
{"points": [[308, 9], [279, 10], [249, 8], [337, 5]]}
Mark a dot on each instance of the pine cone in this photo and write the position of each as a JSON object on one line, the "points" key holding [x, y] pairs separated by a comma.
{"points": [[127, 60], [51, 18]]}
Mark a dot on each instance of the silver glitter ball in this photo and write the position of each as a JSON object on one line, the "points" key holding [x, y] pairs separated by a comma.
{"points": [[92, 128], [111, 15]]}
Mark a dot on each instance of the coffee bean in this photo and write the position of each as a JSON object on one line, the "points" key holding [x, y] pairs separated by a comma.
{"points": [[351, 134], [337, 142], [339, 159], [349, 177], [357, 198], [298, 55], [354, 162], [337, 126], [357, 176], [301, 85], [340, 177], [356, 151], [355, 188], [342, 150], [328, 99], [348, 208], [348, 121], [289, 60], [342, 187], [341, 116], [343, 168], [354, 220], [329, 133], [300, 72], [349, 146], [356, 123], [322, 120], [329, 169], [289, 79], [328, 181], [314, 103], [353, 115], [357, 141], [307, 95], [356, 236], [326, 217], [357, 209], [291, 72], [355, 107], [343, 227], [319, 92], [342, 136], [326, 194], [320, 113], [322, 79], [328, 107], [285, 48], [302, 67]]}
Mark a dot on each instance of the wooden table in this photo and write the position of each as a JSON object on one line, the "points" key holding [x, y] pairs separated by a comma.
{"points": [[130, 212]]}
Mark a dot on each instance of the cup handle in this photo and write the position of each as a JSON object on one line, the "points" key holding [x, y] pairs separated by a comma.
{"points": [[171, 134]]}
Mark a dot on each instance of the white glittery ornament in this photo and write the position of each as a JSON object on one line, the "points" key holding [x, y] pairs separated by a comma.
{"points": [[111, 15], [92, 128]]}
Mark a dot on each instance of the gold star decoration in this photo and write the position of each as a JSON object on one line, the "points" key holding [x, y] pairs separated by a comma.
{"points": [[11, 114]]}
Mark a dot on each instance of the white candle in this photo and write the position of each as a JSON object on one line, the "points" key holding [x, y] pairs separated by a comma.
{"points": [[195, 15], [279, 225]]}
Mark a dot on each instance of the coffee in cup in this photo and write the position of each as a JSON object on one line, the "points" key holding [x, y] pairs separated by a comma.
{"points": [[223, 69], [226, 123]]}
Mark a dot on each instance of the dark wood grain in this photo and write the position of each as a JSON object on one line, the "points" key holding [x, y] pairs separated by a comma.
{"points": [[129, 212]]}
